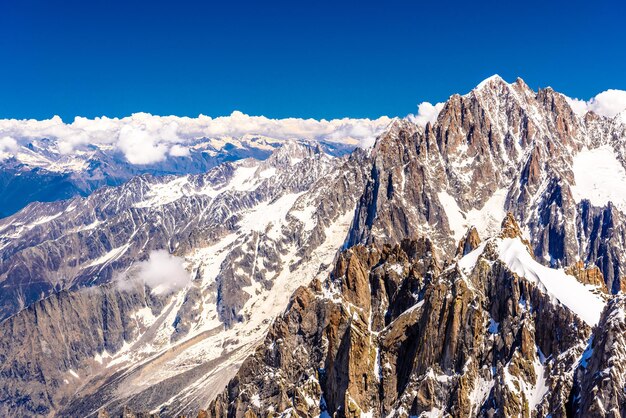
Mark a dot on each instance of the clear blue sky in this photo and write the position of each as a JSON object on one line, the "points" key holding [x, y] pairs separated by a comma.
{"points": [[299, 58]]}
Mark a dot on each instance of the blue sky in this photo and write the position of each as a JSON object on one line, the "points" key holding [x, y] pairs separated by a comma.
{"points": [[300, 58]]}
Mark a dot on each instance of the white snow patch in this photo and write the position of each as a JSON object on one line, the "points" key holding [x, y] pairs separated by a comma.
{"points": [[109, 256], [306, 216], [578, 297], [144, 316], [468, 262], [599, 177], [486, 220], [268, 173], [99, 357], [243, 179], [268, 213], [480, 392], [164, 193], [397, 268], [378, 372], [88, 227], [46, 219], [541, 387], [433, 413]]}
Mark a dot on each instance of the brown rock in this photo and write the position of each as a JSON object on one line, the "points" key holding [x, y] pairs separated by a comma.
{"points": [[590, 275], [468, 243]]}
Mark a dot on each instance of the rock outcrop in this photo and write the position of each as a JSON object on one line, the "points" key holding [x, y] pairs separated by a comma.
{"points": [[390, 333], [602, 372]]}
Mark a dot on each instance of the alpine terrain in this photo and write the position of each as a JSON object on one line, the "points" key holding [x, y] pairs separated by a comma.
{"points": [[470, 266]]}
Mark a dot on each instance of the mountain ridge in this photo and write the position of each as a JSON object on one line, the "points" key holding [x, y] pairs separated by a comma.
{"points": [[480, 220]]}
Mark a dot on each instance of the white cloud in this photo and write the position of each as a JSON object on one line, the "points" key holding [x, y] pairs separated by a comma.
{"points": [[139, 146], [8, 145], [179, 151], [609, 103], [579, 107], [162, 272], [426, 112], [145, 139]]}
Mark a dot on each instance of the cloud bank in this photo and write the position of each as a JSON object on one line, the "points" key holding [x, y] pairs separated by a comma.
{"points": [[609, 103], [144, 138], [162, 272]]}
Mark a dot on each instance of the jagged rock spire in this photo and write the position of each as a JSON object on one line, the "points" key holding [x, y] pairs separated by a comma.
{"points": [[469, 242], [510, 228]]}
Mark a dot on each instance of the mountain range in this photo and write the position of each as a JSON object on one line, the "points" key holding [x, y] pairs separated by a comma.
{"points": [[38, 170], [469, 266]]}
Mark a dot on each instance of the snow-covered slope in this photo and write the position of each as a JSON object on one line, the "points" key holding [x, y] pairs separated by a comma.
{"points": [[245, 236], [586, 301], [599, 177]]}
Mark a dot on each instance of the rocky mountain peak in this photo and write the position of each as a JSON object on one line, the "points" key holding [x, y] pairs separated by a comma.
{"points": [[510, 228], [397, 133], [468, 243], [491, 82]]}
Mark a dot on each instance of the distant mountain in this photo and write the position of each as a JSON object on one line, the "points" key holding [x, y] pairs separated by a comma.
{"points": [[469, 267], [39, 172]]}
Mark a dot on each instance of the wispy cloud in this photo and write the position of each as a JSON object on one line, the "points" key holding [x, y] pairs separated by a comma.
{"points": [[162, 272]]}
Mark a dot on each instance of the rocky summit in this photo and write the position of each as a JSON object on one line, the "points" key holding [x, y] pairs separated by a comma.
{"points": [[473, 266]]}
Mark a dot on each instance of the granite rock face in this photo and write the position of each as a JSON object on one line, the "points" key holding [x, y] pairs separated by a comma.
{"points": [[603, 368], [391, 333], [502, 147]]}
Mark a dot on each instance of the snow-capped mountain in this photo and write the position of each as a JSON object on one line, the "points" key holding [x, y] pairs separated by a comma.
{"points": [[503, 147], [468, 267], [247, 234], [447, 325], [39, 171]]}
